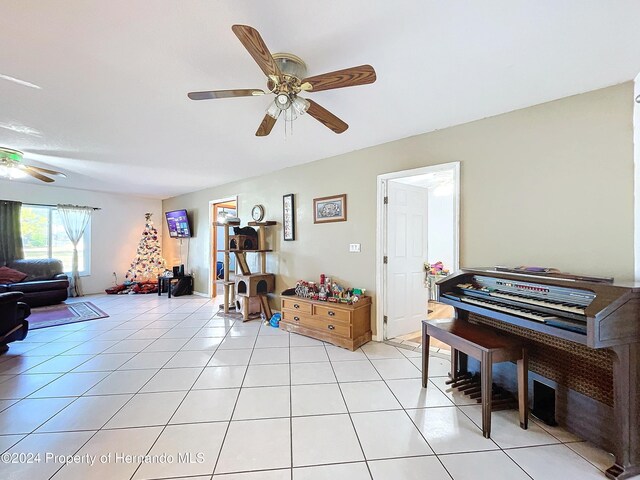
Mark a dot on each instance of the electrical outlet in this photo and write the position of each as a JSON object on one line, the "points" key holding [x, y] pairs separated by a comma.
{"points": [[354, 248]]}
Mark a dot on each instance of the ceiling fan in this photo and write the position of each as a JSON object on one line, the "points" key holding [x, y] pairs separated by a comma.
{"points": [[286, 78], [11, 167]]}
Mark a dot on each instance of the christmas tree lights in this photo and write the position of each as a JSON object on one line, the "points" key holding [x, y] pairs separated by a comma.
{"points": [[148, 262]]}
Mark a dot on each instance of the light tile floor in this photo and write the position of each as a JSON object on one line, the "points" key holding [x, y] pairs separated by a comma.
{"points": [[186, 393]]}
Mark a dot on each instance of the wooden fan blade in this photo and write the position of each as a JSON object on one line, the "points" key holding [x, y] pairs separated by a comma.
{"points": [[256, 47], [37, 175], [349, 77], [246, 92], [265, 127], [325, 117], [47, 171]]}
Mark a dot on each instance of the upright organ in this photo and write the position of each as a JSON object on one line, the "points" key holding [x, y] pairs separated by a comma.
{"points": [[584, 340]]}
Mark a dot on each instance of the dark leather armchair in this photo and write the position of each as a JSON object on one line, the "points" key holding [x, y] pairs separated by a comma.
{"points": [[13, 323]]}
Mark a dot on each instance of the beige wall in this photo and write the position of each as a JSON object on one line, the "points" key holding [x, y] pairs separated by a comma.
{"points": [[115, 230], [547, 185]]}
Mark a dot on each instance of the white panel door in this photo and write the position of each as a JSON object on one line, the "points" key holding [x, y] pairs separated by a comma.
{"points": [[406, 295]]}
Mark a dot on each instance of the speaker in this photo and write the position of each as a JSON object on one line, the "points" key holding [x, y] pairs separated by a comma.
{"points": [[178, 271]]}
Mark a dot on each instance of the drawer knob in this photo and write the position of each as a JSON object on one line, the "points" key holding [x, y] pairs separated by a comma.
{"points": [[297, 319], [331, 314], [331, 327], [295, 305]]}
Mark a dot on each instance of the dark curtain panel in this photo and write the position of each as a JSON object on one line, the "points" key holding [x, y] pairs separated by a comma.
{"points": [[10, 233]]}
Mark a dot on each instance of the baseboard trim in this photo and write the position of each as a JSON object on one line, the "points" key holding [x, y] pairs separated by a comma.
{"points": [[201, 294]]}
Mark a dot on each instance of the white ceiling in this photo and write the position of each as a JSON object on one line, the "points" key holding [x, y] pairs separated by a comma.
{"points": [[112, 109]]}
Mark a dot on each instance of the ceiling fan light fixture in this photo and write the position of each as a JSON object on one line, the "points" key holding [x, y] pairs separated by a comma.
{"points": [[286, 77], [283, 101], [291, 106], [300, 105], [10, 170], [10, 162], [11, 167], [291, 65], [9, 154], [274, 111]]}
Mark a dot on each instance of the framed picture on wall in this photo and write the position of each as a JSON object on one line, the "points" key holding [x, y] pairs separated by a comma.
{"points": [[330, 209], [288, 217]]}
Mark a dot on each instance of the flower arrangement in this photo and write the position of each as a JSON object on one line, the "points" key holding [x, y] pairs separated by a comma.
{"points": [[436, 269], [432, 273]]}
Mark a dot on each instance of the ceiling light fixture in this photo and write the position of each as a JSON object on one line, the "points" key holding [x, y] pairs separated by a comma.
{"points": [[290, 106], [11, 167], [10, 161]]}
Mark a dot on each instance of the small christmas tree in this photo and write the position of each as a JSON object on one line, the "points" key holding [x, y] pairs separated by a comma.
{"points": [[148, 262]]}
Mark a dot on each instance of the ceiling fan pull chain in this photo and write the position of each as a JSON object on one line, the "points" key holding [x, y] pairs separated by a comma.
{"points": [[285, 128]]}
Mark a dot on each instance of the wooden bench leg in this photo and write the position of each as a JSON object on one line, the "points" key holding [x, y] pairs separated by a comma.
{"points": [[523, 389], [454, 363], [486, 382], [426, 339]]}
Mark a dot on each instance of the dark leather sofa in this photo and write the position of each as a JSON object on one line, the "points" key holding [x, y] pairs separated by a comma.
{"points": [[13, 323], [45, 283]]}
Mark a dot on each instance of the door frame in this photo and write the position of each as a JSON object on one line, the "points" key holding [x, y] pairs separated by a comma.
{"points": [[381, 233], [212, 233]]}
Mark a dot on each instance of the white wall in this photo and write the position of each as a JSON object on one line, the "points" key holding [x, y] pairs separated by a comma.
{"points": [[548, 185], [441, 244], [115, 230]]}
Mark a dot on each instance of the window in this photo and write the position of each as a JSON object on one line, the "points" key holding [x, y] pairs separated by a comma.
{"points": [[43, 236]]}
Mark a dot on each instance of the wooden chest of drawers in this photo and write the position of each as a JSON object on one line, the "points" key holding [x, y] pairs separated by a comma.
{"points": [[347, 326]]}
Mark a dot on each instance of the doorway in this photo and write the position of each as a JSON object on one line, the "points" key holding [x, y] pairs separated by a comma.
{"points": [[418, 225], [218, 208]]}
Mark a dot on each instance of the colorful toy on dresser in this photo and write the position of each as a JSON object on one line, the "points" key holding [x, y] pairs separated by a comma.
{"points": [[327, 291]]}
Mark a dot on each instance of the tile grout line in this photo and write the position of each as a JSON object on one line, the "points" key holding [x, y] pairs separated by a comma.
{"points": [[407, 414], [290, 409], [92, 436], [233, 411], [110, 418], [499, 448], [454, 405], [75, 397], [458, 407], [183, 398], [198, 329], [346, 406]]}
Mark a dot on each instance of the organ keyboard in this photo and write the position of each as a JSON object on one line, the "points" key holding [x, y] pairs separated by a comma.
{"points": [[596, 315]]}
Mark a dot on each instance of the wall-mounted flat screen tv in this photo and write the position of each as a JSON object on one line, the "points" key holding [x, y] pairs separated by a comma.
{"points": [[178, 224]]}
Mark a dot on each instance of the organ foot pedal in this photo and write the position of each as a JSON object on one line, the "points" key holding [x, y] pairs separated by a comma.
{"points": [[470, 386]]}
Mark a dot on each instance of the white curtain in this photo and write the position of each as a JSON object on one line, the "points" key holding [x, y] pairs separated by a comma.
{"points": [[75, 220]]}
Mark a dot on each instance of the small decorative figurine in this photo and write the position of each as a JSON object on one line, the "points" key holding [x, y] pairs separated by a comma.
{"points": [[328, 291]]}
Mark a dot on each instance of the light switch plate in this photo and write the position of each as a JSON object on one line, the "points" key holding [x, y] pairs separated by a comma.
{"points": [[354, 247]]}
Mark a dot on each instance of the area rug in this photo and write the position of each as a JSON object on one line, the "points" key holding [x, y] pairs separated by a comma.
{"points": [[63, 314]]}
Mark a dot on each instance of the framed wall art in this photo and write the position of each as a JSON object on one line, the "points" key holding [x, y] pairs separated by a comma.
{"points": [[288, 217], [330, 209]]}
